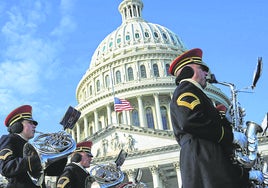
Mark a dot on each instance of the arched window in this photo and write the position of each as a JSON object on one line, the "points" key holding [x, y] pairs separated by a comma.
{"points": [[150, 117], [98, 85], [90, 90], [118, 77], [143, 71], [135, 118], [100, 125], [107, 81], [130, 73], [163, 110], [167, 68], [156, 71], [120, 117], [91, 130]]}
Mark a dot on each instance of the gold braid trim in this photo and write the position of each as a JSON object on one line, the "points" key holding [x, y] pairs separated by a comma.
{"points": [[9, 152], [62, 182], [29, 163], [222, 134]]}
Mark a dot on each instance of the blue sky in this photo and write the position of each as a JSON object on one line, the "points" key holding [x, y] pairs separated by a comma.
{"points": [[46, 47]]}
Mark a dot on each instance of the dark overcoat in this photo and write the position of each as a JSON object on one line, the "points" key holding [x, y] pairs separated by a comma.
{"points": [[12, 164], [205, 139], [74, 176], [15, 168]]}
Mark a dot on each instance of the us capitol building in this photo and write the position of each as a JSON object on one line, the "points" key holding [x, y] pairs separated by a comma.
{"points": [[132, 63]]}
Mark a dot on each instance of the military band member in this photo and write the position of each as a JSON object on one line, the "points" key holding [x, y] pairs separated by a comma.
{"points": [[75, 173], [21, 127], [205, 137]]}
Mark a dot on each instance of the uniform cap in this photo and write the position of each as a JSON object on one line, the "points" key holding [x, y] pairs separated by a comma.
{"points": [[84, 147], [21, 113], [193, 56]]}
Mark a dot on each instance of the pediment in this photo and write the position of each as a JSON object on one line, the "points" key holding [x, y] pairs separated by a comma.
{"points": [[109, 141]]}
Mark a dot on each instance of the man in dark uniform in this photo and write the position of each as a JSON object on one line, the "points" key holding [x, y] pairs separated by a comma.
{"points": [[205, 137], [13, 165], [75, 173]]}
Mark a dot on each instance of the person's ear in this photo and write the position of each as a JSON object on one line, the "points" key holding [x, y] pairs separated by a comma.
{"points": [[17, 127], [77, 157], [186, 72]]}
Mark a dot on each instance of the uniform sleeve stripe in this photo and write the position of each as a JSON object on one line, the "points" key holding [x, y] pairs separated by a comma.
{"points": [[5, 153], [62, 182], [222, 134]]}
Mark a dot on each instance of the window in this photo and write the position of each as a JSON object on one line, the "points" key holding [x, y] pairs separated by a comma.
{"points": [[156, 71], [146, 34], [118, 40], [107, 81], [120, 118], [156, 34], [98, 85], [143, 71], [167, 68], [130, 73], [134, 11], [164, 117], [90, 90], [137, 35], [165, 36], [150, 118], [127, 37], [135, 118], [118, 77]]}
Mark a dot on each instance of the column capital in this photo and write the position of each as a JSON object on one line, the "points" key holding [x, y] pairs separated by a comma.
{"points": [[154, 169], [176, 165]]}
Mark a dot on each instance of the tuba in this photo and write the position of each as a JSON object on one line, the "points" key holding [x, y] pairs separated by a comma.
{"points": [[108, 175], [51, 147], [249, 157]]}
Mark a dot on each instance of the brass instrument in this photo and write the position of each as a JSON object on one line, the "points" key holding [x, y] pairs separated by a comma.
{"points": [[108, 175], [248, 157], [136, 184], [51, 147]]}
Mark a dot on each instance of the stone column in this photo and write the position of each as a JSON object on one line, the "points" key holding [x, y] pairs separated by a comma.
{"points": [[177, 167], [158, 112], [131, 175], [73, 134], [78, 132], [141, 112], [155, 174], [109, 114], [124, 114], [85, 126], [128, 118], [96, 120], [169, 118]]}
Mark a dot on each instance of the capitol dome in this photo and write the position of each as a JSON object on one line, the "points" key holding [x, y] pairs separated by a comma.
{"points": [[131, 64], [134, 32]]}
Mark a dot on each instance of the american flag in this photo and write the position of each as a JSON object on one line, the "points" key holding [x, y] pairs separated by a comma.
{"points": [[122, 104]]}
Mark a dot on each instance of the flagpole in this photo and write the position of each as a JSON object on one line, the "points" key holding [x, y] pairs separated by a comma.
{"points": [[112, 83]]}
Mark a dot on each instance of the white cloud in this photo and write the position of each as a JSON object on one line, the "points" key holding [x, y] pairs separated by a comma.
{"points": [[31, 55], [66, 23]]}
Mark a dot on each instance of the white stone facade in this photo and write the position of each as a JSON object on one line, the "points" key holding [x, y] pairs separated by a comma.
{"points": [[132, 63]]}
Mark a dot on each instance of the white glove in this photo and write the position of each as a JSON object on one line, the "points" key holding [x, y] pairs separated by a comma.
{"points": [[240, 139], [256, 175]]}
